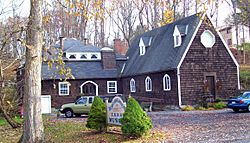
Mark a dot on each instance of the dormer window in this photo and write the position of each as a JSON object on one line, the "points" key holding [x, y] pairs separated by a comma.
{"points": [[144, 43], [93, 56], [142, 47], [177, 37], [72, 57], [83, 57]]}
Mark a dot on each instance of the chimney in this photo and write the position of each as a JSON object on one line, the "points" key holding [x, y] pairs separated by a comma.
{"points": [[61, 42], [108, 58], [120, 47]]}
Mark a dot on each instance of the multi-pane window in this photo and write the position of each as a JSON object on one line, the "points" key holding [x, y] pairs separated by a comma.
{"points": [[148, 84], [132, 85], [63, 88], [166, 83], [112, 86]]}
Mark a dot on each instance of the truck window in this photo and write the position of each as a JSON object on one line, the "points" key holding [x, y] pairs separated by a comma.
{"points": [[82, 101], [90, 100]]}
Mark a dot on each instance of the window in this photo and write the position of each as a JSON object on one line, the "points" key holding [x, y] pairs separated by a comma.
{"points": [[148, 84], [142, 50], [90, 100], [132, 85], [177, 37], [82, 101], [93, 56], [83, 57], [72, 56], [207, 39], [229, 41], [166, 83], [64, 88], [112, 86], [142, 47]]}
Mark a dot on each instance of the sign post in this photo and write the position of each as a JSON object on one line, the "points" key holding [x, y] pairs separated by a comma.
{"points": [[115, 110]]}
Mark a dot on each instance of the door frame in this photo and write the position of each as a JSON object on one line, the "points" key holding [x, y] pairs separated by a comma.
{"points": [[96, 87], [215, 79]]}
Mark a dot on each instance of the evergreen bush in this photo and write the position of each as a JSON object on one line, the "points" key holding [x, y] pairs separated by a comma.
{"points": [[135, 121], [97, 115]]}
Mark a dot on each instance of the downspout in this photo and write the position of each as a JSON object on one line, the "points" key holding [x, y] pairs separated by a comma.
{"points": [[179, 86]]}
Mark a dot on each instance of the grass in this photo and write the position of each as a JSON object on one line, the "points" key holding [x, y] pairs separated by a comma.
{"points": [[245, 76], [74, 131], [3, 122]]}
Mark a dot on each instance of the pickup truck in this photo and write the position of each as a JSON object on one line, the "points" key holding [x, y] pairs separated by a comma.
{"points": [[81, 106]]}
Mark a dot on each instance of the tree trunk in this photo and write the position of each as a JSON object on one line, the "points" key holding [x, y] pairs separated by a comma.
{"points": [[33, 131]]}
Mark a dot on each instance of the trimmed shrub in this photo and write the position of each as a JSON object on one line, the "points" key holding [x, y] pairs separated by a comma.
{"points": [[97, 115], [219, 105], [135, 121], [187, 108]]}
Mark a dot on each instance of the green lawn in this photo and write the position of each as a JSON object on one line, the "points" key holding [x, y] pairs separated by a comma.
{"points": [[74, 131], [3, 122]]}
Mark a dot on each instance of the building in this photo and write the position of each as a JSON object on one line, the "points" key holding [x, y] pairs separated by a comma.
{"points": [[229, 35], [182, 63]]}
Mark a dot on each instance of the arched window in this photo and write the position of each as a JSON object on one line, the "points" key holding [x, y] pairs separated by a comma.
{"points": [[132, 85], [166, 83], [148, 84]]}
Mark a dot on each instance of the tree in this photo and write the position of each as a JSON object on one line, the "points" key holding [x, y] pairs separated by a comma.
{"points": [[10, 55], [97, 115], [135, 121], [33, 131]]}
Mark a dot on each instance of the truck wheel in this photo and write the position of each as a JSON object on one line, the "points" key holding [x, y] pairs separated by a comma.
{"points": [[68, 113]]}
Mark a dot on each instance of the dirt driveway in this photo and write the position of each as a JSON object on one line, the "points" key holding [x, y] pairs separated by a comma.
{"points": [[220, 126]]}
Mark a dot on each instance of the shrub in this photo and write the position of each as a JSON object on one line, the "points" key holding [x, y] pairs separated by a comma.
{"points": [[217, 100], [187, 108], [219, 105], [97, 115], [135, 121], [200, 108]]}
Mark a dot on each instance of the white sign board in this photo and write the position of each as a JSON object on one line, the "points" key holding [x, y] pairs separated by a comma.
{"points": [[46, 104], [115, 111]]}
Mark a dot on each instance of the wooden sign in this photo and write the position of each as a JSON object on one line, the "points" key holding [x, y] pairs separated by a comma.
{"points": [[115, 110]]}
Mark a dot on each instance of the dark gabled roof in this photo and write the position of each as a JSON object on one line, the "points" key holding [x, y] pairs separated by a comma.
{"points": [[146, 41], [161, 55], [80, 70], [183, 29], [74, 45]]}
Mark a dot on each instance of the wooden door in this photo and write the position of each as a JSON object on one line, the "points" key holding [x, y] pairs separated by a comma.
{"points": [[211, 85]]}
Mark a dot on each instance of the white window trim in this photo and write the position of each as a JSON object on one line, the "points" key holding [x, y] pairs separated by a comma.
{"points": [[148, 88], [111, 87], [175, 34], [59, 89], [164, 86], [132, 87]]}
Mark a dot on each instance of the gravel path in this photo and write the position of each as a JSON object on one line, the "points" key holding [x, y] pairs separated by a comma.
{"points": [[220, 126]]}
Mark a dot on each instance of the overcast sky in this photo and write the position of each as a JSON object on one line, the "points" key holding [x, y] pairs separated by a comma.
{"points": [[23, 10]]}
